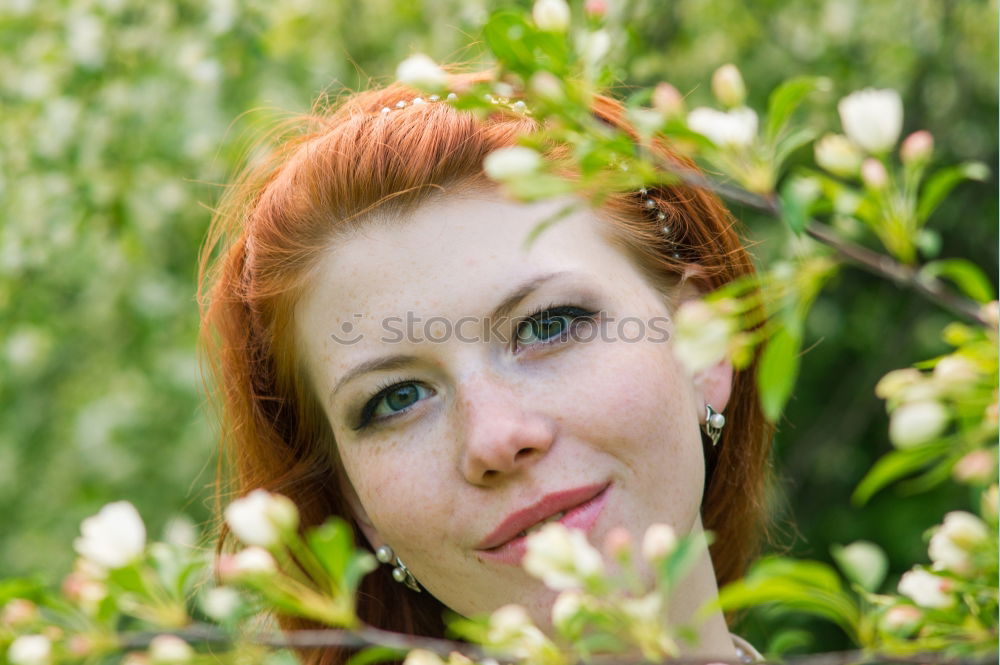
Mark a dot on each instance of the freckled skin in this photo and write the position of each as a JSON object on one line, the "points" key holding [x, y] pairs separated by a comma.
{"points": [[501, 428]]}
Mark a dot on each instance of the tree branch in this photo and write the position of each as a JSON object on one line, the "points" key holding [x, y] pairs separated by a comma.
{"points": [[374, 637], [872, 262]]}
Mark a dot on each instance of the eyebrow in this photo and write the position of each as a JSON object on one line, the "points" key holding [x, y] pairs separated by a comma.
{"points": [[400, 360]]}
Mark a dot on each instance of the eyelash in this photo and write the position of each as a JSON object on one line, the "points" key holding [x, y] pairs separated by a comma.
{"points": [[552, 310]]}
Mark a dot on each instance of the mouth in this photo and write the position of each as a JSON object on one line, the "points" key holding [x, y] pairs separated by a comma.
{"points": [[577, 508]]}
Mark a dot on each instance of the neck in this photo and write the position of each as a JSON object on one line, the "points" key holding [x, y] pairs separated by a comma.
{"points": [[691, 593]]}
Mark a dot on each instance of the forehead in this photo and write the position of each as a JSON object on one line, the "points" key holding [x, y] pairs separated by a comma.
{"points": [[456, 252]]}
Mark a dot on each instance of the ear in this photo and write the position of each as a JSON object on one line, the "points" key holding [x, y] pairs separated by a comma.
{"points": [[712, 385], [357, 510]]}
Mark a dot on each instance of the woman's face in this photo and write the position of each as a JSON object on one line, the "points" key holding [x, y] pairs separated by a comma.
{"points": [[464, 427]]}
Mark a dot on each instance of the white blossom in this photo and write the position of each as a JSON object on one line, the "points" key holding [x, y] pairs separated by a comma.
{"points": [[659, 541], [512, 628], [113, 537], [220, 602], [979, 466], [251, 561], [551, 15], [596, 45], [955, 373], [926, 589], [568, 604], [512, 162], [915, 423], [30, 650], [701, 335], [728, 86], [260, 518], [838, 154], [421, 71], [735, 128], [562, 558], [872, 118], [902, 619], [952, 543], [169, 649]]}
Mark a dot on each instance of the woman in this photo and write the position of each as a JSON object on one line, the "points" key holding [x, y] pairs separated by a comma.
{"points": [[390, 351]]}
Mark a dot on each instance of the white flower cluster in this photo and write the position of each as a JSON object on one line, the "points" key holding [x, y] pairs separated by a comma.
{"points": [[734, 128], [702, 334], [919, 401]]}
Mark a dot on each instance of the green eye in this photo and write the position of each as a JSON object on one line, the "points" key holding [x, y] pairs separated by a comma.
{"points": [[550, 324], [392, 400]]}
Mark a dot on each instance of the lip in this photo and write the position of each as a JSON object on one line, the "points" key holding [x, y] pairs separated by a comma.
{"points": [[582, 505]]}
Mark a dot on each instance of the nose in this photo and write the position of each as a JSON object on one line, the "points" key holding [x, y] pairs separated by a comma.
{"points": [[502, 435]]}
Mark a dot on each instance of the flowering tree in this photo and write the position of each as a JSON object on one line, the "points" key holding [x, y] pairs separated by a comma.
{"points": [[866, 200]]}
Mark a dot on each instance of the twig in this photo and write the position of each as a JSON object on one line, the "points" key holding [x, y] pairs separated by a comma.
{"points": [[873, 262], [374, 637]]}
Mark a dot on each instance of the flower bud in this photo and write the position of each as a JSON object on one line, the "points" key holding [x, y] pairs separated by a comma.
{"points": [[915, 423], [513, 162], [169, 649], [976, 468], [251, 561], [567, 605], [547, 86], [79, 646], [420, 71], [991, 313], [701, 335], [989, 504], [728, 86], [735, 128], [873, 173], [890, 385], [926, 589], [955, 373], [659, 541], [668, 100], [422, 657], [562, 558], [220, 603], [872, 118], [30, 650], [261, 518], [902, 620], [551, 15], [917, 147], [618, 543], [595, 8], [18, 612], [838, 155]]}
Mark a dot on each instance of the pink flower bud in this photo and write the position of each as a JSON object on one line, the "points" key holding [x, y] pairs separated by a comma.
{"points": [[978, 467], [595, 8], [18, 612], [618, 543], [917, 147], [667, 99], [873, 173], [902, 619]]}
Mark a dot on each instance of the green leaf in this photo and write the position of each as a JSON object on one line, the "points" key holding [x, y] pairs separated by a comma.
{"points": [[378, 654], [790, 144], [779, 366], [333, 545], [862, 562], [785, 99], [893, 466], [506, 34], [676, 565], [939, 185], [969, 278], [797, 196]]}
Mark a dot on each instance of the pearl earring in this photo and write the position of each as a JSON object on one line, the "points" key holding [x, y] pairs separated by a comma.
{"points": [[400, 572], [714, 422]]}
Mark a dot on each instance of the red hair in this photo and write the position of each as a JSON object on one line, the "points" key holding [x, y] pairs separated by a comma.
{"points": [[342, 164]]}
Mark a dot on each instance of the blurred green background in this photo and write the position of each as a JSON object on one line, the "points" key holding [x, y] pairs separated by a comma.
{"points": [[120, 119]]}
